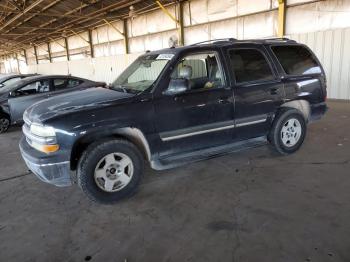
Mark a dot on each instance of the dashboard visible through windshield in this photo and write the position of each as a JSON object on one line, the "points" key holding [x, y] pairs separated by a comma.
{"points": [[142, 73]]}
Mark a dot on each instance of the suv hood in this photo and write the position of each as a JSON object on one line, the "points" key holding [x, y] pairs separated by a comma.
{"points": [[72, 102]]}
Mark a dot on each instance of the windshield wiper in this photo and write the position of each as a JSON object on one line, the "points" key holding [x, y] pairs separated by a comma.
{"points": [[120, 87]]}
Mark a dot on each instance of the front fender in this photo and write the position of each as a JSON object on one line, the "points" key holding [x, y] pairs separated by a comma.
{"points": [[133, 134]]}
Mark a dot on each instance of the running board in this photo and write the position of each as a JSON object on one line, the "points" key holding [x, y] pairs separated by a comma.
{"points": [[190, 157]]}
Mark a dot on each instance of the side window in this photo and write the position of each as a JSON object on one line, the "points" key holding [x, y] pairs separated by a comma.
{"points": [[201, 70], [250, 65], [34, 88], [60, 83], [296, 60], [73, 82]]}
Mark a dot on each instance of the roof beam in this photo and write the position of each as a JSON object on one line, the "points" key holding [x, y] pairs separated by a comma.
{"points": [[30, 17], [56, 19], [92, 15], [27, 9]]}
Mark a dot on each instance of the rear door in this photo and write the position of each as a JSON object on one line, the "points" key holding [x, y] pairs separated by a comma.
{"points": [[26, 96], [64, 84], [258, 90]]}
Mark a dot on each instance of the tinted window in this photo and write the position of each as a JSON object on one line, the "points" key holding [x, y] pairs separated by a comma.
{"points": [[60, 83], [202, 71], [73, 82], [34, 88], [250, 65], [296, 60]]}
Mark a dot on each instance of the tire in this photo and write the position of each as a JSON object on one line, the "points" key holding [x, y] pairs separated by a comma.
{"points": [[4, 123], [288, 131], [105, 182]]}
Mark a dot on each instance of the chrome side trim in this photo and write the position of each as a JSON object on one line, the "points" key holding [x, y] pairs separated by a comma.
{"points": [[169, 138], [251, 122], [199, 132]]}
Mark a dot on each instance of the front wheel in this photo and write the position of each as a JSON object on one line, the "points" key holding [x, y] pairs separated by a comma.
{"points": [[288, 131], [110, 171]]}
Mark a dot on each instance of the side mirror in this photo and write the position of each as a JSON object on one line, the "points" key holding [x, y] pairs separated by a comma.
{"points": [[177, 86], [13, 94]]}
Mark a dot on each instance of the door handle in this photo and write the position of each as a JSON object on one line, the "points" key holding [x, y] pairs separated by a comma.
{"points": [[223, 101], [274, 91]]}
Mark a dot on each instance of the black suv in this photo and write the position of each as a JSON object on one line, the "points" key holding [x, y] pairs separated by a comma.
{"points": [[172, 107]]}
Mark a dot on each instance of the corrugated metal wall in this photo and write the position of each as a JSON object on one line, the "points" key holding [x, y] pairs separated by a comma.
{"points": [[332, 48], [99, 69]]}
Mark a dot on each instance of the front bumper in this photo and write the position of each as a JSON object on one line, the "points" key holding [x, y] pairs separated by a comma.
{"points": [[52, 170]]}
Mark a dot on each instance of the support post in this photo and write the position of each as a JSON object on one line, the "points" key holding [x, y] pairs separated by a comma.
{"points": [[67, 48], [25, 56], [18, 68], [126, 36], [281, 17], [49, 52], [92, 53], [181, 24], [36, 55]]}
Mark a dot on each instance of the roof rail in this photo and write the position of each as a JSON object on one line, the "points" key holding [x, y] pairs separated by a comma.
{"points": [[215, 40], [278, 39]]}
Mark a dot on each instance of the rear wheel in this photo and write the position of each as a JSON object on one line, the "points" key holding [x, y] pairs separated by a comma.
{"points": [[288, 131], [4, 123], [110, 171]]}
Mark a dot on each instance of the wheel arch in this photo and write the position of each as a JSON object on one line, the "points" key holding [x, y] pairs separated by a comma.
{"points": [[5, 113], [133, 135], [302, 105]]}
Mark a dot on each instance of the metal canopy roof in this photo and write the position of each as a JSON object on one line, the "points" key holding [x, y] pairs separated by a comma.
{"points": [[27, 22]]}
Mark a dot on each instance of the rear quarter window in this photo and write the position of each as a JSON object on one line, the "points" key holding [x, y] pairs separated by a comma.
{"points": [[296, 60]]}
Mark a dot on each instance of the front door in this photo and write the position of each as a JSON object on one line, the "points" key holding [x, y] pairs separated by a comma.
{"points": [[258, 91], [201, 116], [26, 96]]}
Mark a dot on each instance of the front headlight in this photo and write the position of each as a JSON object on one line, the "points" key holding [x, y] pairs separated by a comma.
{"points": [[42, 131], [43, 138]]}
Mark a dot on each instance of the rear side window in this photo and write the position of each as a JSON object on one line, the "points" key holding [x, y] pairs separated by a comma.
{"points": [[250, 65], [296, 60], [60, 83], [73, 82]]}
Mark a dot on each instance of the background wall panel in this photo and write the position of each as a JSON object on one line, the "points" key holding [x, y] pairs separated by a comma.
{"points": [[332, 49]]}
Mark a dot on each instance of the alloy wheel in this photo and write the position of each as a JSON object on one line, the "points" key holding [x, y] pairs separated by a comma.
{"points": [[291, 132], [114, 172]]}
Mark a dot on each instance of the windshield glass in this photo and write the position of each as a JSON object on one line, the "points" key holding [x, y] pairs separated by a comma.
{"points": [[142, 73], [12, 86]]}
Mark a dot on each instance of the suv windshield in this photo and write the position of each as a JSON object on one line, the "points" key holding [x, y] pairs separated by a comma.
{"points": [[141, 74], [12, 86]]}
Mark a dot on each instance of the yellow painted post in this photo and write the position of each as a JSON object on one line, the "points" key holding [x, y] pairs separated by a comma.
{"points": [[179, 22], [281, 17]]}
